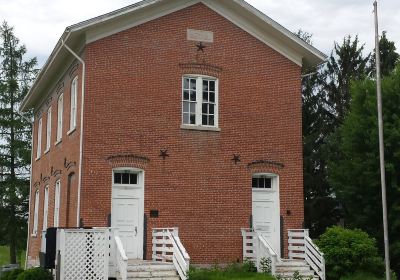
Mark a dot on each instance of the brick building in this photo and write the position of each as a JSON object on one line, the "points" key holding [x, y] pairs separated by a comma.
{"points": [[171, 113]]}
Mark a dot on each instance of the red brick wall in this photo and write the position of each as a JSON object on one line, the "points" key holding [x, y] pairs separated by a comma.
{"points": [[133, 106], [54, 161]]}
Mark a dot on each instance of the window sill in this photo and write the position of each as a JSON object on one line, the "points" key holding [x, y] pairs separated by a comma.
{"points": [[36, 159], [34, 235], [48, 150], [72, 130], [200, 128], [58, 142]]}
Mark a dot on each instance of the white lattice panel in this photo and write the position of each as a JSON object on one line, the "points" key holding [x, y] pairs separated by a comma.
{"points": [[84, 254]]}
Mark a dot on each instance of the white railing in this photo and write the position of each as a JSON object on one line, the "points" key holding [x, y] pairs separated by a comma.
{"points": [[256, 248], [302, 247], [119, 256], [167, 247], [83, 253]]}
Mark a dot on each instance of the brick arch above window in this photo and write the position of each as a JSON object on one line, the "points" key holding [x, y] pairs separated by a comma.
{"points": [[128, 160], [200, 69], [265, 166]]}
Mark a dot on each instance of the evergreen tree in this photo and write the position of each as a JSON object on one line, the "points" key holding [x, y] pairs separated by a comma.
{"points": [[16, 74], [389, 56], [346, 64], [319, 203]]}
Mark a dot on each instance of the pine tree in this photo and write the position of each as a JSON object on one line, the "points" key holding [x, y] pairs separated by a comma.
{"points": [[16, 75], [346, 64], [389, 56]]}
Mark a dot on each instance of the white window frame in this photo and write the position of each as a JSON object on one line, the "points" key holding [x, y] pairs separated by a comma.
{"points": [[199, 101], [60, 112], [39, 138], [57, 200], [48, 130], [74, 99], [36, 214], [45, 207]]}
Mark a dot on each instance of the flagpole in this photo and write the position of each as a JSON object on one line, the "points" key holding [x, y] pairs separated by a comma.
{"points": [[381, 142]]}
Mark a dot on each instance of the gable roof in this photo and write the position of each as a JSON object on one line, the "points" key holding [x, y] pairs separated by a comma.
{"points": [[238, 12]]}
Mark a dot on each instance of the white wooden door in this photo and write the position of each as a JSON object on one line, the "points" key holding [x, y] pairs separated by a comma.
{"points": [[127, 210], [125, 217], [266, 217]]}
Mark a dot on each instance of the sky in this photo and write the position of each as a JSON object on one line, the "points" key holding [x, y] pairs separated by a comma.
{"points": [[39, 23]]}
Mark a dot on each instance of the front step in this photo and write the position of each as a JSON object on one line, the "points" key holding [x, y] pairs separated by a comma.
{"points": [[149, 270], [287, 268]]}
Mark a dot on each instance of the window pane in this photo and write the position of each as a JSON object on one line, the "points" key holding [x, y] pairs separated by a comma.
{"points": [[212, 85], [186, 118], [192, 95], [133, 179], [193, 108], [186, 83], [254, 183], [268, 182], [211, 109], [125, 178], [192, 119], [186, 107], [211, 120], [117, 178], [185, 95], [212, 97], [204, 120], [205, 96], [193, 84], [205, 109], [205, 85]]}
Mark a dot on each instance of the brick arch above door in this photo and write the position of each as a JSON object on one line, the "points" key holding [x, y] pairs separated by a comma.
{"points": [[128, 160]]}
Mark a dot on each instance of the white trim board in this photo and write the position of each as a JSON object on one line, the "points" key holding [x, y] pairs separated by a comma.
{"points": [[238, 12]]}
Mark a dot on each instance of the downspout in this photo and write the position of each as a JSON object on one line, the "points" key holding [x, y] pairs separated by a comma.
{"points": [[30, 196], [81, 136]]}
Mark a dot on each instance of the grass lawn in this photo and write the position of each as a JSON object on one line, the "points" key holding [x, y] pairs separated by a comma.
{"points": [[222, 275], [5, 256], [232, 272]]}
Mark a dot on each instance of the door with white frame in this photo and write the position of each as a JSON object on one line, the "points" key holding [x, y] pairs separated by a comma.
{"points": [[127, 209], [265, 208]]}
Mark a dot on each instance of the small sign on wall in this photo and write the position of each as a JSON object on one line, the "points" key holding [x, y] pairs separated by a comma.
{"points": [[200, 36]]}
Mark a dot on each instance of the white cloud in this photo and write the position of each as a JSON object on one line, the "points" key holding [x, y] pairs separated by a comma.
{"points": [[39, 23]]}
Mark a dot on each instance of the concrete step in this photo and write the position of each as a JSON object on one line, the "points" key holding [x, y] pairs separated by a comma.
{"points": [[150, 267], [150, 274], [287, 262], [150, 270], [286, 268]]}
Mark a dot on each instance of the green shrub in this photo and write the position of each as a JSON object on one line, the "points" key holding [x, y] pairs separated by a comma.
{"points": [[11, 275], [347, 251], [35, 274], [249, 266]]}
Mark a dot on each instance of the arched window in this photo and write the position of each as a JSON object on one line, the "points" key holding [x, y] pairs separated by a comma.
{"points": [[57, 200], [45, 207], [36, 214], [70, 205], [74, 98]]}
